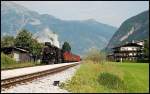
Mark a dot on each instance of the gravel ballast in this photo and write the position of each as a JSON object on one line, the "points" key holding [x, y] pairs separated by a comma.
{"points": [[44, 84]]}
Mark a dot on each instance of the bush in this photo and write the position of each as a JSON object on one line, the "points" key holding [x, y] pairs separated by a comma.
{"points": [[9, 63], [111, 81], [6, 59], [95, 56]]}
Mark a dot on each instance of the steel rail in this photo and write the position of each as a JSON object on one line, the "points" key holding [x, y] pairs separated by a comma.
{"points": [[6, 83]]}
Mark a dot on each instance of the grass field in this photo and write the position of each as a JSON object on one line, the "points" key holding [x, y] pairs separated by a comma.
{"points": [[109, 77], [9, 63]]}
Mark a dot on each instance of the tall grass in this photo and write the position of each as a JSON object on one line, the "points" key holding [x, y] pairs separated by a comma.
{"points": [[111, 81], [6, 59], [109, 77], [9, 63], [86, 79]]}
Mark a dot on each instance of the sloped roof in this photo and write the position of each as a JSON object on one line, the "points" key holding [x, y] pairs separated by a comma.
{"points": [[9, 49], [128, 45]]}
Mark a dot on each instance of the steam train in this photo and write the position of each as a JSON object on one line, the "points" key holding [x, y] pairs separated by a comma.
{"points": [[54, 55]]}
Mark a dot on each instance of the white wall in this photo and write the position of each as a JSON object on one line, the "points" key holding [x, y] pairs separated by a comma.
{"points": [[16, 56], [129, 48]]}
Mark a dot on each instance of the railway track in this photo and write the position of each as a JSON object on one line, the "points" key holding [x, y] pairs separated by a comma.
{"points": [[6, 83]]}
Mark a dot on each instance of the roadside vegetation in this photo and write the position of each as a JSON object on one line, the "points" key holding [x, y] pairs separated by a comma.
{"points": [[99, 76], [9, 63], [95, 56], [23, 39]]}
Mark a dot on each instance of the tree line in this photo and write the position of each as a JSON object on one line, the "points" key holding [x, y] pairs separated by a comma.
{"points": [[146, 48], [25, 40]]}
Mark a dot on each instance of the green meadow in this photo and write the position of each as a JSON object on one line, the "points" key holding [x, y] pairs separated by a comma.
{"points": [[109, 77]]}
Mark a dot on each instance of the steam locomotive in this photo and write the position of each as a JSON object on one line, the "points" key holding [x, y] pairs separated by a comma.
{"points": [[54, 55]]}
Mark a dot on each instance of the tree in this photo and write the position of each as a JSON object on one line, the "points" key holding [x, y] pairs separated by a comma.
{"points": [[35, 49], [146, 48], [95, 56], [66, 47], [7, 41], [23, 39]]}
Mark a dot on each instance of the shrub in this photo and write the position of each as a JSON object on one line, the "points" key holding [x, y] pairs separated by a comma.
{"points": [[111, 81], [6, 59], [95, 56], [9, 63]]}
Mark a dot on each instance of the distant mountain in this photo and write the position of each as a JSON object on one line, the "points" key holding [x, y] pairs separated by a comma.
{"points": [[82, 35], [135, 28]]}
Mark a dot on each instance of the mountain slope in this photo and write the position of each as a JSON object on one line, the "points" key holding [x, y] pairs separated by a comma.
{"points": [[82, 35], [135, 28]]}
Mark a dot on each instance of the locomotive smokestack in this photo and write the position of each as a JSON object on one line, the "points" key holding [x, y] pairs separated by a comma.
{"points": [[47, 44]]}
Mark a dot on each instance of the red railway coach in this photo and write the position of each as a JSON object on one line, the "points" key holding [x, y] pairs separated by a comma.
{"points": [[69, 57]]}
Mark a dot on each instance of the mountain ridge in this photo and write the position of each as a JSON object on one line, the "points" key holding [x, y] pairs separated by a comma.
{"points": [[82, 35], [135, 28]]}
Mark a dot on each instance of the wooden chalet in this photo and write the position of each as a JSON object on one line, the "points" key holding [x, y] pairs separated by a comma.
{"points": [[129, 51]]}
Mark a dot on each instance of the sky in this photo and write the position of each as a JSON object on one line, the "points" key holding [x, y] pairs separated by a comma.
{"points": [[107, 12]]}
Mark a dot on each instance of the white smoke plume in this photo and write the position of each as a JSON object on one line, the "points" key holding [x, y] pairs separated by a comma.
{"points": [[47, 35]]}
